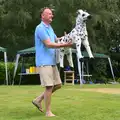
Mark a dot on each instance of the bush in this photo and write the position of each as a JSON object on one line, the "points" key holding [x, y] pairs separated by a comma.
{"points": [[118, 80], [10, 67], [2, 73], [99, 79]]}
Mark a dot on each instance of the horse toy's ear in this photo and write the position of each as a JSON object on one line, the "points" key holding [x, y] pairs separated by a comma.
{"points": [[77, 12]]}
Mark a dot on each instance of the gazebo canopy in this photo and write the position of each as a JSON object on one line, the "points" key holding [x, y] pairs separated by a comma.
{"points": [[30, 51], [26, 51], [2, 49]]}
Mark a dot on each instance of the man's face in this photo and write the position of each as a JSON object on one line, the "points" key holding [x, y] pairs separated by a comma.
{"points": [[47, 15]]}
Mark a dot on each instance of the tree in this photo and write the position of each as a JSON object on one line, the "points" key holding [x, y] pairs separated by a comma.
{"points": [[18, 19]]}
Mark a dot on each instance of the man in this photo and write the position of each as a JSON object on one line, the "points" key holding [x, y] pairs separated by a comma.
{"points": [[46, 60]]}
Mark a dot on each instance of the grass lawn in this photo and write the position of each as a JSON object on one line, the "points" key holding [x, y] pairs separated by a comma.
{"points": [[68, 103]]}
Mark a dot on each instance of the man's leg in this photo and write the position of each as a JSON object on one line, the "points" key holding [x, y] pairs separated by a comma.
{"points": [[47, 99], [56, 87], [38, 100], [54, 75]]}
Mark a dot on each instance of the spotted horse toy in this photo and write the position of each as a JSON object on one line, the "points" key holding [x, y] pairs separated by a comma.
{"points": [[77, 36]]}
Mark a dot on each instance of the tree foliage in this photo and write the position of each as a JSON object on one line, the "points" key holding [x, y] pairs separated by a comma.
{"points": [[18, 19]]}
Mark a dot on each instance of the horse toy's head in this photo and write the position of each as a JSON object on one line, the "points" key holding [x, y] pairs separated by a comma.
{"points": [[82, 16]]}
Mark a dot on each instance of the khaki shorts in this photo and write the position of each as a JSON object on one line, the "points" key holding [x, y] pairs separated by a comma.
{"points": [[49, 75]]}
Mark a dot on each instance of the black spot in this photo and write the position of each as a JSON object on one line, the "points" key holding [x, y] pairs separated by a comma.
{"points": [[66, 40], [60, 56], [83, 15], [62, 50], [74, 37]]}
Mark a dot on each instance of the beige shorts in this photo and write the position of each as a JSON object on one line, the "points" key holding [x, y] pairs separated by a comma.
{"points": [[49, 75]]}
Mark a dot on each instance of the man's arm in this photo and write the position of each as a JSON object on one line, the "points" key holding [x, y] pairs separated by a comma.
{"points": [[50, 44]]}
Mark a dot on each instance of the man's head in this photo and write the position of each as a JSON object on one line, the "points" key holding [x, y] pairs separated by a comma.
{"points": [[46, 15]]}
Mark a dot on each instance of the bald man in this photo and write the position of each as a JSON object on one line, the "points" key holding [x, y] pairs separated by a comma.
{"points": [[45, 57]]}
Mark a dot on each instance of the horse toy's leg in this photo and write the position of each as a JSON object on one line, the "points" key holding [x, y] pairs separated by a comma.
{"points": [[61, 57], [69, 56], [87, 46], [78, 48]]}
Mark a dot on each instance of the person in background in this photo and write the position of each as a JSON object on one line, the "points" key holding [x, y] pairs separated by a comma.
{"points": [[45, 57]]}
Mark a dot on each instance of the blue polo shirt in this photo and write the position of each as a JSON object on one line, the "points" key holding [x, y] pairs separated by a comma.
{"points": [[44, 55]]}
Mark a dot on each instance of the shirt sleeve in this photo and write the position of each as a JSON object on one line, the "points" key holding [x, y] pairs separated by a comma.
{"points": [[42, 34], [55, 37]]}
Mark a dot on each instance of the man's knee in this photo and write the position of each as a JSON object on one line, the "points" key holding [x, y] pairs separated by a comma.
{"points": [[49, 88], [57, 86]]}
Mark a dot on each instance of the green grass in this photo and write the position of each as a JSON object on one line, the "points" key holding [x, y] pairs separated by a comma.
{"points": [[68, 103]]}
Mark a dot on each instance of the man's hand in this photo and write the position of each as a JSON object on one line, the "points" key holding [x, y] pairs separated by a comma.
{"points": [[69, 44]]}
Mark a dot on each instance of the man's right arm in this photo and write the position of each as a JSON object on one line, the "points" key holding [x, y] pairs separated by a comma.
{"points": [[50, 44], [46, 40]]}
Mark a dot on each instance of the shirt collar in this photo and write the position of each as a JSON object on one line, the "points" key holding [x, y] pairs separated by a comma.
{"points": [[45, 24]]}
